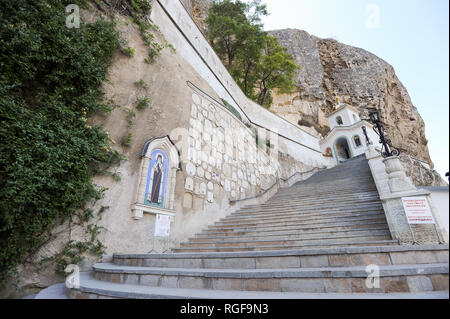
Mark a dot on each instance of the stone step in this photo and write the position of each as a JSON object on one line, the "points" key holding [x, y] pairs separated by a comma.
{"points": [[91, 288], [340, 173], [341, 186], [303, 241], [337, 193], [312, 222], [306, 211], [314, 206], [308, 199], [315, 201], [302, 213], [319, 192], [317, 215], [290, 233], [423, 277], [302, 223], [333, 179], [324, 204], [303, 258], [334, 243], [296, 227], [299, 219]]}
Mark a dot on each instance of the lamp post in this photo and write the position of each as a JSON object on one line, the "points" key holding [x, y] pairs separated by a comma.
{"points": [[387, 150], [368, 141]]}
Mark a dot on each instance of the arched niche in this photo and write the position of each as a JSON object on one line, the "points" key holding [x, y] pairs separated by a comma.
{"points": [[342, 149], [155, 194]]}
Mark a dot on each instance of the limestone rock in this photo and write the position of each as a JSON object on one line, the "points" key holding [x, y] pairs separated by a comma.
{"points": [[198, 10], [420, 173], [331, 69]]}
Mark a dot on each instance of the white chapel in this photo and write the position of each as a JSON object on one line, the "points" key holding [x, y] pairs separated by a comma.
{"points": [[346, 138]]}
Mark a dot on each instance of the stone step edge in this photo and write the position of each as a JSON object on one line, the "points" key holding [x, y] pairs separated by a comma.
{"points": [[331, 181], [306, 212], [92, 286], [370, 242], [279, 232], [295, 217], [378, 228], [303, 209], [337, 194], [377, 233], [269, 206], [234, 230], [292, 252], [302, 193], [302, 199], [316, 272], [306, 224], [291, 214]]}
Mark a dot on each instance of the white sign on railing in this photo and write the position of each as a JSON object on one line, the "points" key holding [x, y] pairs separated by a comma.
{"points": [[417, 210], [162, 225]]}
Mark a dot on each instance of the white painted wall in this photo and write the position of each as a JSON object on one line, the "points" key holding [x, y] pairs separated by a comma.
{"points": [[180, 30], [440, 199], [347, 114]]}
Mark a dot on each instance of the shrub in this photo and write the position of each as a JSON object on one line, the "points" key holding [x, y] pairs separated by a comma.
{"points": [[126, 139], [143, 103], [141, 83], [141, 6], [128, 51], [49, 86]]}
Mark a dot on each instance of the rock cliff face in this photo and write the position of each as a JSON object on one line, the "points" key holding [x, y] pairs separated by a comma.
{"points": [[198, 9], [333, 70]]}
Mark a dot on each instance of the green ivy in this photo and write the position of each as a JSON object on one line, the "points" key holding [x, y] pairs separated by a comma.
{"points": [[232, 110], [143, 103], [128, 51], [147, 30], [49, 86], [72, 251], [126, 139]]}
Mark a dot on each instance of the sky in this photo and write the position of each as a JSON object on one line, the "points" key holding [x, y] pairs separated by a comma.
{"points": [[411, 35]]}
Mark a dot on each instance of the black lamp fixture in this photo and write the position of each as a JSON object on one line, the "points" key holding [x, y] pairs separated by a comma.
{"points": [[387, 150], [374, 116], [368, 141]]}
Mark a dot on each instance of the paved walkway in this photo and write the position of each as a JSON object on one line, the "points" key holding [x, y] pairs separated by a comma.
{"points": [[58, 292]]}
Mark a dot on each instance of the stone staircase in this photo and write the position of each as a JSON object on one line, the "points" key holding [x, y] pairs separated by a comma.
{"points": [[336, 207], [311, 240]]}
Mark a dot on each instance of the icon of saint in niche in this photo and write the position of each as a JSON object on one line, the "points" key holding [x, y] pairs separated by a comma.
{"points": [[156, 181]]}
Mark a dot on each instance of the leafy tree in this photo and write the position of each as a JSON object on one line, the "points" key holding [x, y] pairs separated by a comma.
{"points": [[50, 83], [228, 22], [276, 71], [248, 58], [256, 60]]}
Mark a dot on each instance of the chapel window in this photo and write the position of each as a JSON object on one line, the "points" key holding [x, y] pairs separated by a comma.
{"points": [[357, 140]]}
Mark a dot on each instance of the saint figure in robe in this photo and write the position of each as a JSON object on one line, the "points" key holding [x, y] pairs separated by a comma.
{"points": [[156, 192]]}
